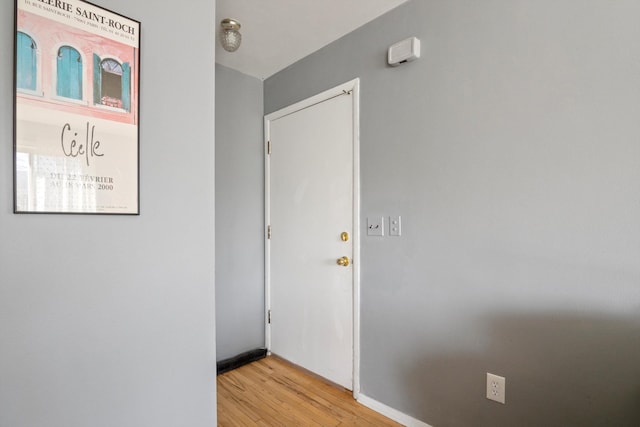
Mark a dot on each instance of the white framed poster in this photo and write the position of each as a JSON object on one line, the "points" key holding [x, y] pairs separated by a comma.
{"points": [[76, 132]]}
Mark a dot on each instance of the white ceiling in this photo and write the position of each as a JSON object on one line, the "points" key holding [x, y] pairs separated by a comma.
{"points": [[277, 33]]}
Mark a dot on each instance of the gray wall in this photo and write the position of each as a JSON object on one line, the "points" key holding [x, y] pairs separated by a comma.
{"points": [[239, 213], [109, 320], [511, 150]]}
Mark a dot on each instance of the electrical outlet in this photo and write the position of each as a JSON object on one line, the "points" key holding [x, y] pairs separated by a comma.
{"points": [[394, 225], [496, 387]]}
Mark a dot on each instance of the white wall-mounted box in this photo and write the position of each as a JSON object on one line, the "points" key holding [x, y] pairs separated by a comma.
{"points": [[404, 51]]}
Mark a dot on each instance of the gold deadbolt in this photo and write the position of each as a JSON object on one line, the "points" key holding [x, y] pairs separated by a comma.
{"points": [[344, 236], [343, 261]]}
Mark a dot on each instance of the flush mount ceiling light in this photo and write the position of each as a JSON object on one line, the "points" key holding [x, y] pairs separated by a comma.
{"points": [[230, 37]]}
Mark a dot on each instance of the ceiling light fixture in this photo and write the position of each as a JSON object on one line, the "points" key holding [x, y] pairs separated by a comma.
{"points": [[230, 37]]}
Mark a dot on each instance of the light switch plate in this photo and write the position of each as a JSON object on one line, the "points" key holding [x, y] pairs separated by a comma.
{"points": [[375, 226], [395, 225]]}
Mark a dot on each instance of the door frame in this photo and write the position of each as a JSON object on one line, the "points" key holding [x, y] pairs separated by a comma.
{"points": [[351, 87]]}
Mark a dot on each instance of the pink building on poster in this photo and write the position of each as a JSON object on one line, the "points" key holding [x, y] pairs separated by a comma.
{"points": [[75, 71]]}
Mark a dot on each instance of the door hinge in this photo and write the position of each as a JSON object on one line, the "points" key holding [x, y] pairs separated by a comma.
{"points": [[269, 317], [268, 147], [268, 232]]}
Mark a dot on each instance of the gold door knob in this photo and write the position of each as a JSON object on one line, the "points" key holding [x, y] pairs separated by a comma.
{"points": [[343, 261]]}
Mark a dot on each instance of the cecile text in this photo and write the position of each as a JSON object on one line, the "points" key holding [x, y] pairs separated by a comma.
{"points": [[72, 148]]}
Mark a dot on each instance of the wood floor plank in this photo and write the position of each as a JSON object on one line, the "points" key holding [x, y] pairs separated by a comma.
{"points": [[280, 406], [272, 392]]}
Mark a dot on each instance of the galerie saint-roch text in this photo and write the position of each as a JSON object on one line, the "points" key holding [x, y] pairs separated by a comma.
{"points": [[87, 14]]}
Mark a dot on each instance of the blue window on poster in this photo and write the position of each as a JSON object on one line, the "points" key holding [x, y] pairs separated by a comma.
{"points": [[112, 83], [69, 82], [26, 63]]}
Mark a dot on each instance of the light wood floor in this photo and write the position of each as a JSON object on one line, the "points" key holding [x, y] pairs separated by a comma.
{"points": [[272, 392]]}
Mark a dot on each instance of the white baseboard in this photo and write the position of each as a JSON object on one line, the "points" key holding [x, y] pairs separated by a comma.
{"points": [[391, 413]]}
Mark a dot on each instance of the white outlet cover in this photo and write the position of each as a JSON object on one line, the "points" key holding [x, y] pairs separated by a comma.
{"points": [[496, 386], [395, 225]]}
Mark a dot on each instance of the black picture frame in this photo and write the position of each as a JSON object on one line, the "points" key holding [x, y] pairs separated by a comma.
{"points": [[76, 109]]}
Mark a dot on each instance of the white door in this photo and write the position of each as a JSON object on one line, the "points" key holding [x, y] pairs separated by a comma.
{"points": [[311, 217]]}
